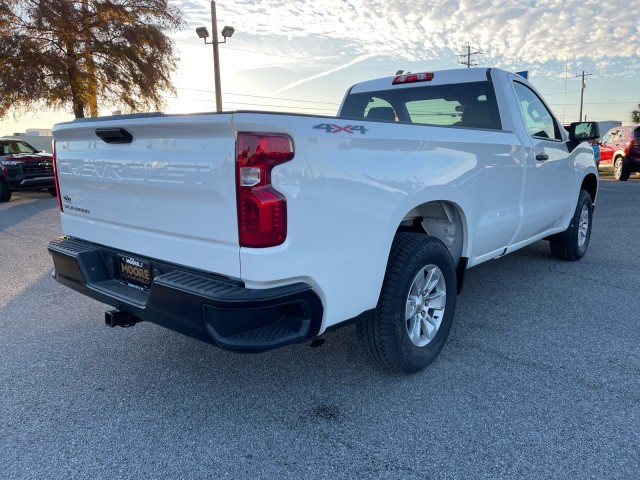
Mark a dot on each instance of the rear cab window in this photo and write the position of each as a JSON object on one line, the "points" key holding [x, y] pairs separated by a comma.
{"points": [[471, 105]]}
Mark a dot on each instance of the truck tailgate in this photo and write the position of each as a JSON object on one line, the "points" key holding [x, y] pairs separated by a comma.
{"points": [[167, 193]]}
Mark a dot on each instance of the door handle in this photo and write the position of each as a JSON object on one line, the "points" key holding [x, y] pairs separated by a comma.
{"points": [[114, 135], [541, 157]]}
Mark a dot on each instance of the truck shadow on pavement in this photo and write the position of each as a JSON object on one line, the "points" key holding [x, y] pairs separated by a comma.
{"points": [[68, 380], [24, 205]]}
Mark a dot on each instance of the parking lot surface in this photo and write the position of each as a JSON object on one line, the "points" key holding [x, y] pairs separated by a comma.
{"points": [[540, 378]]}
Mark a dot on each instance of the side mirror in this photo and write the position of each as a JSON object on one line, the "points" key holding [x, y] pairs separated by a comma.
{"points": [[582, 131]]}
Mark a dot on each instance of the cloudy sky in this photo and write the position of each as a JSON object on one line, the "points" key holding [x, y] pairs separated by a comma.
{"points": [[301, 55]]}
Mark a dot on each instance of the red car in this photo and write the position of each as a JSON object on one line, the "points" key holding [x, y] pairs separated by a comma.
{"points": [[620, 151], [22, 167]]}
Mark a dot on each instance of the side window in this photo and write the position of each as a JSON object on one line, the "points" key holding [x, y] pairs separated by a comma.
{"points": [[22, 148], [537, 117], [615, 136]]}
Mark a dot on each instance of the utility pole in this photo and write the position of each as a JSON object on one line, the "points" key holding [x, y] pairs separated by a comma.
{"points": [[582, 91], [467, 55]]}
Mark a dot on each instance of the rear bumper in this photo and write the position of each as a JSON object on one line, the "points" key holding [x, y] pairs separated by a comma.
{"points": [[29, 183], [213, 309]]}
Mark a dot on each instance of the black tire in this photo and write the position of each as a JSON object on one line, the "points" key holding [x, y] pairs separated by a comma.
{"points": [[52, 191], [573, 242], [5, 192], [620, 169], [386, 334]]}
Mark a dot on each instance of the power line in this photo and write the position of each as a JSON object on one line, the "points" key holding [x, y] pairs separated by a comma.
{"points": [[307, 60], [259, 96], [468, 62], [259, 105], [598, 103]]}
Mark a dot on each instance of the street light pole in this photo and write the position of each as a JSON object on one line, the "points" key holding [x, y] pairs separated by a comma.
{"points": [[216, 57], [203, 33]]}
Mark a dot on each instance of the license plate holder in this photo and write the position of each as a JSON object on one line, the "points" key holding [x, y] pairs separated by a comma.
{"points": [[134, 272]]}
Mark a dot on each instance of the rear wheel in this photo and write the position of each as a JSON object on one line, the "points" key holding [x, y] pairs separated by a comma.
{"points": [[5, 193], [620, 171], [573, 242], [416, 305], [52, 191]]}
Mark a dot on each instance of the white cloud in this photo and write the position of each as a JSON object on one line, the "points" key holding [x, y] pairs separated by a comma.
{"points": [[322, 74], [507, 32]]}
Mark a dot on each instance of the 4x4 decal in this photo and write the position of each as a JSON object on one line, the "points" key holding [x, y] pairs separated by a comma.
{"points": [[333, 128]]}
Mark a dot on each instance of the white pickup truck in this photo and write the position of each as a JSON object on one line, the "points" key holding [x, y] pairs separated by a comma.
{"points": [[253, 230]]}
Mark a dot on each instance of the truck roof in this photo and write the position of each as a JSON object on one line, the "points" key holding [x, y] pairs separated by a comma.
{"points": [[458, 75]]}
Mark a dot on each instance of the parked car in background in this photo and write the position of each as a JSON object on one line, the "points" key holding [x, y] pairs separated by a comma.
{"points": [[620, 151], [605, 125], [22, 167]]}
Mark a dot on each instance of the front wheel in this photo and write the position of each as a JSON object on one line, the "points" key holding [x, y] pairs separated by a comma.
{"points": [[416, 305], [620, 171], [573, 242]]}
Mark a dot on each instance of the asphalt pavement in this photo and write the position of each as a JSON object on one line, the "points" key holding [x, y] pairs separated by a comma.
{"points": [[540, 378]]}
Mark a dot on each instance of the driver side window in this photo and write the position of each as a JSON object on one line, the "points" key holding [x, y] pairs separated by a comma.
{"points": [[537, 117]]}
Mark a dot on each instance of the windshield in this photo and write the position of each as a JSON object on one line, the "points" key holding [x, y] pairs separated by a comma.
{"points": [[10, 147]]}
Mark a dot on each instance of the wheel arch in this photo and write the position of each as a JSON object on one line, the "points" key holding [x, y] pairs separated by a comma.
{"points": [[590, 184], [442, 219]]}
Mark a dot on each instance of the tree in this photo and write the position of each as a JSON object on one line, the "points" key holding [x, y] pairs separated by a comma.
{"points": [[74, 53], [635, 114]]}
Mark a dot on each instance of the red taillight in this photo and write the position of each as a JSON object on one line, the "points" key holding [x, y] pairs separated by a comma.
{"points": [[55, 175], [412, 78], [262, 210]]}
